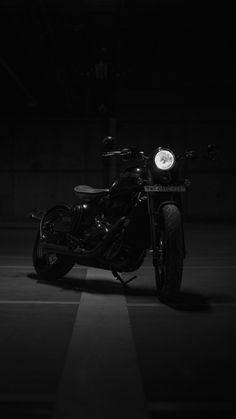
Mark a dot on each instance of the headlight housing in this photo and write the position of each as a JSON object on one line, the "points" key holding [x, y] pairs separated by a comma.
{"points": [[164, 159]]}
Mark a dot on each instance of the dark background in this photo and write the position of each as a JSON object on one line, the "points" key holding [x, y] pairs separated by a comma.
{"points": [[149, 72]]}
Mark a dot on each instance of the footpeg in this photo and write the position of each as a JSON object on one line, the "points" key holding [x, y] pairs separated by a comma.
{"points": [[119, 278]]}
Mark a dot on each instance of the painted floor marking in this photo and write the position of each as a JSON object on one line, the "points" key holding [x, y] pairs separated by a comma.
{"points": [[197, 406], [15, 257], [39, 302], [27, 398], [200, 267], [31, 267], [180, 304], [16, 266], [101, 377], [128, 304], [142, 267]]}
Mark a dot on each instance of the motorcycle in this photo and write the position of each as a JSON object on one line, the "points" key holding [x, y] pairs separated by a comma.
{"points": [[114, 228]]}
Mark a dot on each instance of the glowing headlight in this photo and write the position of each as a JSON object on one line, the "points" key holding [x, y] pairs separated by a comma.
{"points": [[164, 159]]}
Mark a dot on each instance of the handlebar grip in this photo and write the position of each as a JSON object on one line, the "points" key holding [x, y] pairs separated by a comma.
{"points": [[111, 153], [125, 152]]}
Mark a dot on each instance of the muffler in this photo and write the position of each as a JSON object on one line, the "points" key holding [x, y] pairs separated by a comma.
{"points": [[79, 252]]}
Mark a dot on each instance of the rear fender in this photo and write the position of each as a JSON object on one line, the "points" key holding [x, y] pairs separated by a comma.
{"points": [[38, 215], [44, 214]]}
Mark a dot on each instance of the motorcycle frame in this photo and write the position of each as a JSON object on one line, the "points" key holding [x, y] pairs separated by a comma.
{"points": [[156, 200], [155, 203]]}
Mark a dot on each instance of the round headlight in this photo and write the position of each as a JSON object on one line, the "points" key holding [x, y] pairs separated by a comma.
{"points": [[164, 159]]}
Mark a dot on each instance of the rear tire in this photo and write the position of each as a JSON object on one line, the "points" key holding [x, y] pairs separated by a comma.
{"points": [[50, 266], [170, 253]]}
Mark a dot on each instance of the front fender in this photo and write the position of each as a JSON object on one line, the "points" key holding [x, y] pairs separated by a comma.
{"points": [[162, 204], [179, 208]]}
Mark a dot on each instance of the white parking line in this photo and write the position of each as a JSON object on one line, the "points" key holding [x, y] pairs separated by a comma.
{"points": [[200, 267], [27, 398], [16, 266], [142, 267], [180, 304], [101, 377], [152, 406], [191, 407], [31, 266], [39, 302], [128, 304], [14, 257]]}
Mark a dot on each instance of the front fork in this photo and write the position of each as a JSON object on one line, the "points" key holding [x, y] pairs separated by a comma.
{"points": [[153, 229], [153, 219], [154, 211]]}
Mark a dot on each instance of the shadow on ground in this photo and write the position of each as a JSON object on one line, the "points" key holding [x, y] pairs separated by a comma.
{"points": [[186, 301], [189, 301]]}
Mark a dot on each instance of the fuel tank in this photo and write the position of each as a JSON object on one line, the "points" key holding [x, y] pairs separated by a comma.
{"points": [[130, 179]]}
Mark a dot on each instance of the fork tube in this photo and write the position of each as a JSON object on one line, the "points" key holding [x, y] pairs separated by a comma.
{"points": [[152, 221]]}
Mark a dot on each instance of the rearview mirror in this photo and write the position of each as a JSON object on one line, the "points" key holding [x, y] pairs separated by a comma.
{"points": [[108, 143]]}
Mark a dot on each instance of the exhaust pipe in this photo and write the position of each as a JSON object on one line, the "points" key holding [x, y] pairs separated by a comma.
{"points": [[64, 250]]}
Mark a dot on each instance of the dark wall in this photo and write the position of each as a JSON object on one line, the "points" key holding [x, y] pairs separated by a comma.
{"points": [[149, 71], [43, 158]]}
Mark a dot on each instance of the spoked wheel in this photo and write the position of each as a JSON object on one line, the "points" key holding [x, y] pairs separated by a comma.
{"points": [[170, 253], [50, 266]]}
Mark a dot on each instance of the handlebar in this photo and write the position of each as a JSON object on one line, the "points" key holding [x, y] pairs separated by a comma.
{"points": [[116, 153], [210, 153], [134, 153], [127, 153]]}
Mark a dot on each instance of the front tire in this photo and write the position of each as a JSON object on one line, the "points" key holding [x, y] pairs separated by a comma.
{"points": [[170, 253], [50, 266]]}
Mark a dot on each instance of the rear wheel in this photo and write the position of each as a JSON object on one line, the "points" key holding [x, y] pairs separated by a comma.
{"points": [[50, 266], [170, 252]]}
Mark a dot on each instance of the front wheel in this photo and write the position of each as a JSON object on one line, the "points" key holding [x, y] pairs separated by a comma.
{"points": [[50, 266], [169, 253]]}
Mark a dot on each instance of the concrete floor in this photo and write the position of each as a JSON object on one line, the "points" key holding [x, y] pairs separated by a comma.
{"points": [[184, 355]]}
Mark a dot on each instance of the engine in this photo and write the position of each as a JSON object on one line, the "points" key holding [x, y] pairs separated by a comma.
{"points": [[78, 222], [76, 227], [93, 234]]}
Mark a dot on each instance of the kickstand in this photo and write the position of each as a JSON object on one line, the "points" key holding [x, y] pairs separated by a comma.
{"points": [[124, 283]]}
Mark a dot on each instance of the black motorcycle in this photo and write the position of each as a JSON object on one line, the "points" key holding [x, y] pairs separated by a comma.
{"points": [[114, 228]]}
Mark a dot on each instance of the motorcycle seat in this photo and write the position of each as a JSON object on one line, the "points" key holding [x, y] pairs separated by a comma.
{"points": [[90, 192]]}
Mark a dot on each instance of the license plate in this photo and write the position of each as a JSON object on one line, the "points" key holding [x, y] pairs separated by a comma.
{"points": [[165, 188]]}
